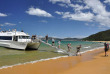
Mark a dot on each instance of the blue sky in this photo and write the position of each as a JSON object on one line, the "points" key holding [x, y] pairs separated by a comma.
{"points": [[57, 18]]}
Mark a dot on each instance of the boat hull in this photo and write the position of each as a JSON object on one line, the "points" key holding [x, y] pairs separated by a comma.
{"points": [[33, 45], [20, 45]]}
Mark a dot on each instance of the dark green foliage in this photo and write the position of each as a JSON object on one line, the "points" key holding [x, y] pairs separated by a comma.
{"points": [[101, 36]]}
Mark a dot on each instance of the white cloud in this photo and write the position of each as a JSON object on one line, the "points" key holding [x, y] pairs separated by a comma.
{"points": [[3, 15], [97, 7], [38, 12], [43, 21], [88, 24], [7, 24], [62, 1], [78, 7], [102, 15], [107, 1], [77, 16], [67, 4], [19, 22], [10, 24], [103, 20], [63, 5], [59, 13], [95, 11], [1, 25]]}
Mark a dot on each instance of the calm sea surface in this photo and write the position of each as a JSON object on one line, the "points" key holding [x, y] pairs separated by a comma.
{"points": [[12, 56]]}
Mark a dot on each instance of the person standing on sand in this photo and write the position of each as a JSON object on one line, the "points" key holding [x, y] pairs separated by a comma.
{"points": [[78, 50], [106, 48], [46, 37]]}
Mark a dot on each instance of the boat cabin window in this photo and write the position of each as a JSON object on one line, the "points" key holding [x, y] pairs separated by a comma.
{"points": [[15, 38], [24, 37], [5, 37]]}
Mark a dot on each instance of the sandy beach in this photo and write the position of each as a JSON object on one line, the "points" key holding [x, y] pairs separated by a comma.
{"points": [[92, 62], [102, 41], [54, 36]]}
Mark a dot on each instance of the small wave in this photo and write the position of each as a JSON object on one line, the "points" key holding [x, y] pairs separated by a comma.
{"points": [[61, 51], [91, 50], [87, 47], [3, 67], [10, 66]]}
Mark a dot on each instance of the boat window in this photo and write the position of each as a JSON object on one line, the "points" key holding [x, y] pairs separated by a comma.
{"points": [[5, 37], [27, 37], [20, 37], [15, 38], [24, 37]]}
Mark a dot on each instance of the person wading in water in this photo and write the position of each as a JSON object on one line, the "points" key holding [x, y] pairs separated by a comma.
{"points": [[53, 42], [78, 50], [69, 47], [59, 42]]}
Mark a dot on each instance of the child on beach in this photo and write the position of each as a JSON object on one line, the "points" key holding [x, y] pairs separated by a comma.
{"points": [[106, 48], [78, 50]]}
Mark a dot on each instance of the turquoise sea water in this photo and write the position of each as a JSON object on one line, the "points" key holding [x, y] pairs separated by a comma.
{"points": [[12, 56], [86, 45]]}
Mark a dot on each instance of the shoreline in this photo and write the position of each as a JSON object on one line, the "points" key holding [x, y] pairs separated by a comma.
{"points": [[47, 59], [100, 64], [42, 65], [102, 41]]}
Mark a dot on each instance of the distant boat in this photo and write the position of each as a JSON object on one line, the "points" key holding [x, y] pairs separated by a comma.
{"points": [[18, 40]]}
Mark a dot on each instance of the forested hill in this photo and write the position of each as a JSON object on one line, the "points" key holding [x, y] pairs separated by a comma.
{"points": [[100, 36]]}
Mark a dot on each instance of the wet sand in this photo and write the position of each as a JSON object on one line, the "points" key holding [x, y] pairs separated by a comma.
{"points": [[99, 65], [92, 62]]}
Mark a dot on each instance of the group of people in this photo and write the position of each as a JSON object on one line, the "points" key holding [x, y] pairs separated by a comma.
{"points": [[34, 37], [106, 46], [78, 48], [53, 41], [68, 45]]}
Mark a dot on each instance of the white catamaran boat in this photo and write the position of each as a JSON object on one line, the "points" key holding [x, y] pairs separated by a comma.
{"points": [[18, 40]]}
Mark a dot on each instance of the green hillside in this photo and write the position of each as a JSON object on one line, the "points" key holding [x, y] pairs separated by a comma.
{"points": [[100, 36]]}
